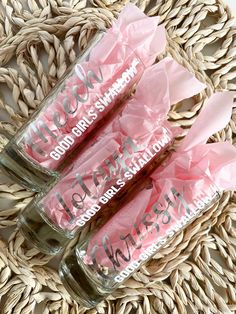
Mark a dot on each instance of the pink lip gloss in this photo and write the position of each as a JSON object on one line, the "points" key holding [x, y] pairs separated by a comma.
{"points": [[91, 89], [180, 190], [129, 148]]}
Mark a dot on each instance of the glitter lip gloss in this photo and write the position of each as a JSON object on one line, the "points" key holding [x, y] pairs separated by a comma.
{"points": [[126, 150], [91, 89], [177, 192]]}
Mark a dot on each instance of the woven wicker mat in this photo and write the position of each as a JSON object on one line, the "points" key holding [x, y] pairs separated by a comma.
{"points": [[196, 272]]}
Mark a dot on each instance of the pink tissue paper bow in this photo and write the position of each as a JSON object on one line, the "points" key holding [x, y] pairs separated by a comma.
{"points": [[125, 147], [93, 87], [177, 192]]}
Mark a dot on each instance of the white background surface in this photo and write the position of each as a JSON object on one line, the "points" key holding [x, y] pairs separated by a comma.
{"points": [[232, 4]]}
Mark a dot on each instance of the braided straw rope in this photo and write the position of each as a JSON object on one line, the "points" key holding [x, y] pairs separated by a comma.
{"points": [[196, 273]]}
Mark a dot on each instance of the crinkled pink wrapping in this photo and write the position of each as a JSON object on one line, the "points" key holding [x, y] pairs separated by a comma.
{"points": [[133, 35], [142, 119], [196, 169]]}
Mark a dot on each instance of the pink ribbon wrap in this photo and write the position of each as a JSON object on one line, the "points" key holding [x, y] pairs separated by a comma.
{"points": [[93, 87], [110, 162], [178, 191]]}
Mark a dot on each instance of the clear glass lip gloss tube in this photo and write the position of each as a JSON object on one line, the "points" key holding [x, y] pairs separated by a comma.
{"points": [[129, 148], [91, 89], [109, 256]]}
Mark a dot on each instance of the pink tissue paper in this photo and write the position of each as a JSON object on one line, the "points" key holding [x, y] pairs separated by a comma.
{"points": [[93, 88], [128, 145], [190, 180]]}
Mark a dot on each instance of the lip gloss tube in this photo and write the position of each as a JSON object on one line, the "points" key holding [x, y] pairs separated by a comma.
{"points": [[91, 89], [177, 192], [126, 150]]}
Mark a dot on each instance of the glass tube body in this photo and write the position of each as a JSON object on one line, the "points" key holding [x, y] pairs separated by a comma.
{"points": [[108, 256], [99, 179], [76, 106]]}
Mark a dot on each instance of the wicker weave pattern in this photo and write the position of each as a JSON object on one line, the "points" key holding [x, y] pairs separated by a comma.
{"points": [[185, 276]]}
